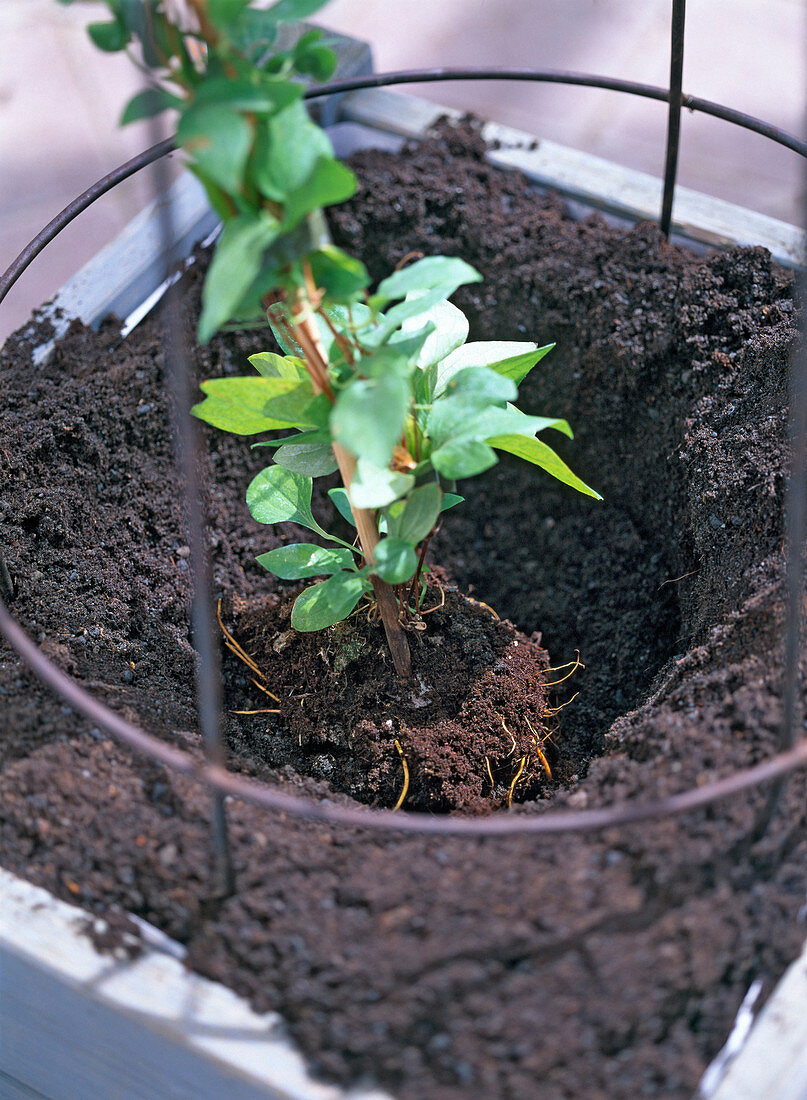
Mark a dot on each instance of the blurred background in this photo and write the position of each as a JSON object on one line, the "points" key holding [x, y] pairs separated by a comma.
{"points": [[60, 100]]}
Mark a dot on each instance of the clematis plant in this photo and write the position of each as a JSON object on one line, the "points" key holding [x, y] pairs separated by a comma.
{"points": [[381, 385]]}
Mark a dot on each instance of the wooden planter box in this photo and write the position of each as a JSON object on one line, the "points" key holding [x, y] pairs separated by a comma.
{"points": [[74, 1022]]}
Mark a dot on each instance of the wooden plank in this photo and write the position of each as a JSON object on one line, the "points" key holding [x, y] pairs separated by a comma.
{"points": [[74, 1023], [772, 1065], [122, 275], [598, 183]]}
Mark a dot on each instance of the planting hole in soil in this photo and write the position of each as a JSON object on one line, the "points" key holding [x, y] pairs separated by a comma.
{"points": [[598, 965]]}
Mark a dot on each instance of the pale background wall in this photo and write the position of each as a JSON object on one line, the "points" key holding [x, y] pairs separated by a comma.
{"points": [[60, 98]]}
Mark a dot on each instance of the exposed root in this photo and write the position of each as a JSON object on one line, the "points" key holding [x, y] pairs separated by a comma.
{"points": [[487, 607], [539, 752], [438, 605], [509, 734], [405, 767], [550, 712], [263, 711], [571, 665], [236, 649], [408, 258], [516, 778], [266, 691], [490, 772]]}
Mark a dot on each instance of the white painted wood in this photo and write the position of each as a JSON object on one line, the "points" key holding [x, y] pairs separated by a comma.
{"points": [[125, 273], [592, 180], [773, 1063], [74, 1023]]}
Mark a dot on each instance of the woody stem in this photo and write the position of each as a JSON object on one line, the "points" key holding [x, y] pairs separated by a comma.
{"points": [[307, 337]]}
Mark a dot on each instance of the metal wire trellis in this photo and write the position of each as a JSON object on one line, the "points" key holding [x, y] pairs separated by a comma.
{"points": [[212, 773]]}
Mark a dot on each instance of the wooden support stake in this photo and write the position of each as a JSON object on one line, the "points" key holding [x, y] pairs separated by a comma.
{"points": [[307, 337]]}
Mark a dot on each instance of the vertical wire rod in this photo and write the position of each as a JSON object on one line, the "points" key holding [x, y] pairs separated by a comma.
{"points": [[795, 537], [796, 529], [796, 519], [208, 678], [674, 112]]}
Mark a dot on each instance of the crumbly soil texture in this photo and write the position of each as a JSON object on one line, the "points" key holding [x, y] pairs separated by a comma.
{"points": [[605, 965]]}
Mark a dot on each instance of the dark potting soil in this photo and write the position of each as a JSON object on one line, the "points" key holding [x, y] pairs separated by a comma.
{"points": [[606, 965]]}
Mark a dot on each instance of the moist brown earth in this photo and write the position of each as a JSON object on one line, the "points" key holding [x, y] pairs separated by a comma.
{"points": [[597, 965], [468, 732]]}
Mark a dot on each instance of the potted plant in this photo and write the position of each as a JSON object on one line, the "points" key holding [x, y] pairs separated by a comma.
{"points": [[436, 972], [381, 386]]}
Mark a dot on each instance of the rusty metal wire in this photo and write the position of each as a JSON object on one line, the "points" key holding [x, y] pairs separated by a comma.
{"points": [[186, 446], [383, 80], [216, 778], [559, 76], [674, 113], [214, 775]]}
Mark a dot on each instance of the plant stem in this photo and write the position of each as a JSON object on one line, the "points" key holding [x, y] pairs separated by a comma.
{"points": [[307, 337], [208, 31]]}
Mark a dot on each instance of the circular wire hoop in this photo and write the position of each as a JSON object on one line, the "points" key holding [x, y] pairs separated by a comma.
{"points": [[226, 783]]}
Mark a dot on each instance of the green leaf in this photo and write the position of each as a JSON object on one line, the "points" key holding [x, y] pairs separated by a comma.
{"points": [[109, 37], [329, 183], [394, 560], [253, 35], [375, 487], [303, 559], [287, 148], [450, 500], [413, 519], [463, 459], [352, 320], [315, 460], [417, 311], [278, 495], [219, 139], [368, 417], [399, 358], [224, 12], [434, 272], [511, 359], [236, 262], [311, 58], [149, 103], [270, 94], [515, 422], [270, 365], [463, 417], [217, 197], [537, 452], [298, 439], [483, 384], [342, 504], [339, 275], [519, 366], [450, 331], [324, 604], [250, 405], [318, 62]]}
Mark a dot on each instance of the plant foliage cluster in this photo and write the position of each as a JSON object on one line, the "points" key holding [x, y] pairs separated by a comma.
{"points": [[381, 384]]}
